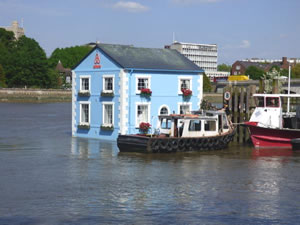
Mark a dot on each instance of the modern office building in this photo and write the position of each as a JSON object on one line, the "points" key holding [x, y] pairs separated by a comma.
{"points": [[18, 31], [203, 55]]}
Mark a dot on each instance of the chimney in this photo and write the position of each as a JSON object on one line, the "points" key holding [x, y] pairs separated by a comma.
{"points": [[285, 63], [284, 60]]}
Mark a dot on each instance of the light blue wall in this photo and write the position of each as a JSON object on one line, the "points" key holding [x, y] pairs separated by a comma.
{"points": [[95, 99], [164, 87]]}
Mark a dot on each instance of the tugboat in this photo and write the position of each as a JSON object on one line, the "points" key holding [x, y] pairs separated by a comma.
{"points": [[269, 126], [200, 131]]}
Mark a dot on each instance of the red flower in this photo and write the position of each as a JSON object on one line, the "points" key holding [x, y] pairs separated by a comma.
{"points": [[186, 92], [146, 91], [144, 127]]}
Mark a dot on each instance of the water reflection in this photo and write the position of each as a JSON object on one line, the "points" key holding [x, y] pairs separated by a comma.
{"points": [[87, 148], [271, 152]]}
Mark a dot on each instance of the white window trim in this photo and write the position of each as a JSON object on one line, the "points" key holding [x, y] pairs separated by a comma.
{"points": [[137, 79], [184, 78], [80, 109], [162, 106], [113, 83], [113, 113], [184, 103], [80, 83], [136, 112]]}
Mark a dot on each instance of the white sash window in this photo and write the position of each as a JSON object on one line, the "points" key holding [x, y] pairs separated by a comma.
{"points": [[84, 113], [108, 113], [142, 113]]}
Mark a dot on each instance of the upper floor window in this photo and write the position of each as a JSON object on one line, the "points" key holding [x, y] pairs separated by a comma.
{"points": [[238, 67], [184, 83], [108, 83], [85, 83], [142, 82]]}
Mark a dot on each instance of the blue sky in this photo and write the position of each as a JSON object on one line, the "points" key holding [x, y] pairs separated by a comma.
{"points": [[240, 28]]}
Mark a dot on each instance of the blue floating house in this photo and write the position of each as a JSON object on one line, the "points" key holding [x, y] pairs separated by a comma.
{"points": [[117, 87]]}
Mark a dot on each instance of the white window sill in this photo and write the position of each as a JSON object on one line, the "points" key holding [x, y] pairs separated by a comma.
{"points": [[108, 91]]}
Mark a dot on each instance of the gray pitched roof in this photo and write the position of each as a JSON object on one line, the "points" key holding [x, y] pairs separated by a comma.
{"points": [[256, 64], [147, 58]]}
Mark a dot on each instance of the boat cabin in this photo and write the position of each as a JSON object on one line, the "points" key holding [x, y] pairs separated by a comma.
{"points": [[199, 124], [269, 112]]}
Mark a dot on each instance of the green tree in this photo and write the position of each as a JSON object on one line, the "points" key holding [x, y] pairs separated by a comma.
{"points": [[2, 77], [69, 57], [224, 67], [254, 72], [206, 83], [7, 44], [29, 65], [296, 71], [7, 38], [269, 78], [55, 80]]}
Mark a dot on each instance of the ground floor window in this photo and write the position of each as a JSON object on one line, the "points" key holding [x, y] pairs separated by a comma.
{"points": [[163, 110], [184, 108], [108, 113], [84, 113], [143, 114]]}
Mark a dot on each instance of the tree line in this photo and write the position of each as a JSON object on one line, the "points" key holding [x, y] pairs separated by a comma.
{"points": [[23, 63], [256, 73]]}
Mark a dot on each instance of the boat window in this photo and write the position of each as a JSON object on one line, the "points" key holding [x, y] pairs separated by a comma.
{"points": [[195, 125], [165, 124], [260, 102], [272, 102], [210, 126]]}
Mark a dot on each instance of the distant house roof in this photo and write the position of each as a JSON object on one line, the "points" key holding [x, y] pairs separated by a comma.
{"points": [[60, 68], [256, 64], [129, 57], [263, 66]]}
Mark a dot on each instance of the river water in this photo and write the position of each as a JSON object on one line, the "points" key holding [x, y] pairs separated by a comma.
{"points": [[48, 177]]}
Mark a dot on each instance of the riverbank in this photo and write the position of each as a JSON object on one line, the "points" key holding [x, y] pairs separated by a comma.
{"points": [[18, 95], [52, 95], [213, 97]]}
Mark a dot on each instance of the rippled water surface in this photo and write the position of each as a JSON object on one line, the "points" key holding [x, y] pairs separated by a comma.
{"points": [[48, 177]]}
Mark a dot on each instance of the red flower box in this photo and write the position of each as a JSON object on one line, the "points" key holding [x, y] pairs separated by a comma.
{"points": [[144, 127], [186, 92], [146, 92]]}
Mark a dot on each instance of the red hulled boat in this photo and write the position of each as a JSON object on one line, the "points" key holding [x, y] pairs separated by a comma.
{"points": [[269, 126]]}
